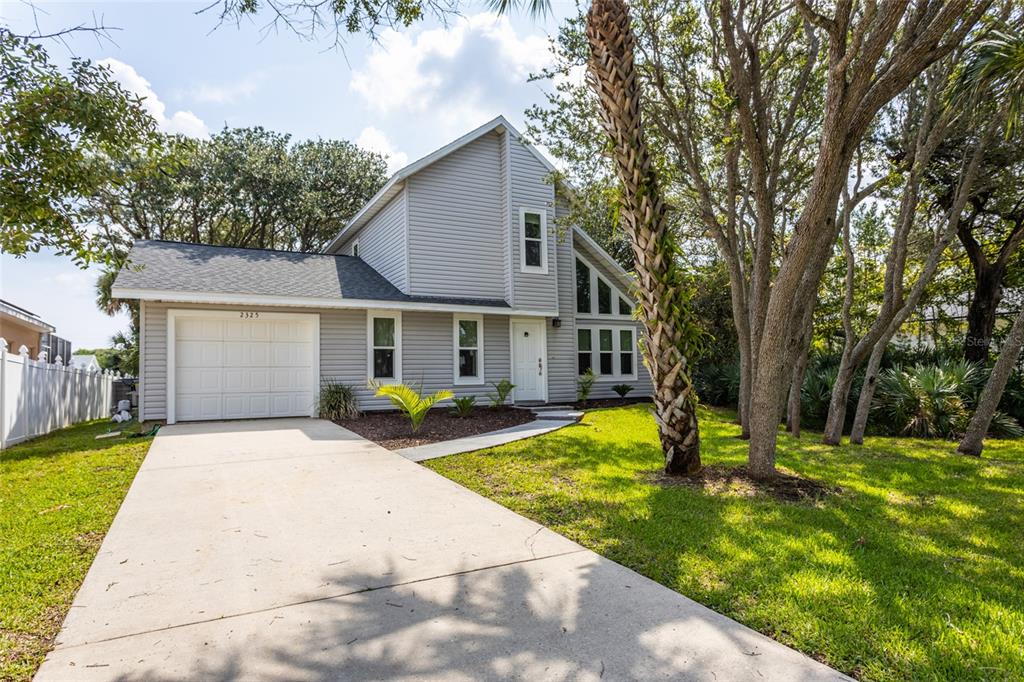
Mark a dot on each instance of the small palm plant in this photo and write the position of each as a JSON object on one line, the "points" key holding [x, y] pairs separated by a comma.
{"points": [[622, 389], [463, 406], [409, 401], [502, 390]]}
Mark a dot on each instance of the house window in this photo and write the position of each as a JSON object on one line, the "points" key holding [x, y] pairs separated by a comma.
{"points": [[533, 231], [582, 288], [604, 297], [355, 248], [385, 332], [624, 307], [584, 357], [469, 355], [612, 355], [627, 352], [607, 351]]}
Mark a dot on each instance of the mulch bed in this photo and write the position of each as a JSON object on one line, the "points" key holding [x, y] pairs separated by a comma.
{"points": [[609, 402], [392, 430], [720, 480]]}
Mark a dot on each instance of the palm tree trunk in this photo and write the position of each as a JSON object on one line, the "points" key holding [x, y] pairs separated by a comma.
{"points": [[972, 443], [664, 298]]}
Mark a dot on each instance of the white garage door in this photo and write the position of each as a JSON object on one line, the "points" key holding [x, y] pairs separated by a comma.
{"points": [[243, 364]]}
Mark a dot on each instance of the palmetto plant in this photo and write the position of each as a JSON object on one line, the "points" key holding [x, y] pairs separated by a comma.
{"points": [[995, 66], [409, 401], [925, 401]]}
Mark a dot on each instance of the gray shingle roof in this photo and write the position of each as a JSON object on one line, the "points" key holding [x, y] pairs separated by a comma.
{"points": [[199, 268]]}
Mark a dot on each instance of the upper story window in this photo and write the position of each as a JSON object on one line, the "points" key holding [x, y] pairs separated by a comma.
{"points": [[469, 349], [582, 287], [596, 296], [385, 342], [355, 248], [533, 232]]}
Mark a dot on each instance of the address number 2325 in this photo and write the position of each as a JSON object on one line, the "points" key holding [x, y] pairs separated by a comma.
{"points": [[249, 315]]}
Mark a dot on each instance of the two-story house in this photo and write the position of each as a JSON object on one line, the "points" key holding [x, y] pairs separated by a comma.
{"points": [[453, 276]]}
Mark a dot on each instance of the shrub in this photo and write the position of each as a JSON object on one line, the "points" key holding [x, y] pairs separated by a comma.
{"points": [[816, 393], [622, 389], [925, 401], [718, 384], [410, 402], [1004, 426], [502, 390], [585, 384], [463, 406], [337, 401]]}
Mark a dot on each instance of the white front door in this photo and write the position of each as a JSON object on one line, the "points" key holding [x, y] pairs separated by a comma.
{"points": [[529, 371], [241, 364]]}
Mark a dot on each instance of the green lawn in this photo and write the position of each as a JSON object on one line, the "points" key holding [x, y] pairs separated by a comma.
{"points": [[58, 496], [915, 571]]}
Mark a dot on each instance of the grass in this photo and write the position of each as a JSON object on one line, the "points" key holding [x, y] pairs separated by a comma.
{"points": [[58, 496], [914, 571]]}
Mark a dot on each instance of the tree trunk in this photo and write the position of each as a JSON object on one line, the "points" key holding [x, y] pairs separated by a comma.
{"points": [[981, 315], [664, 304], [973, 440], [799, 370]]}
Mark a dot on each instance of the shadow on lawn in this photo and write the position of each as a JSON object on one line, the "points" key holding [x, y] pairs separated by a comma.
{"points": [[80, 438], [917, 547]]}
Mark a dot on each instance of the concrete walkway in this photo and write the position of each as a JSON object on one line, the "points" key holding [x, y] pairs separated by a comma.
{"points": [[421, 453], [295, 550]]}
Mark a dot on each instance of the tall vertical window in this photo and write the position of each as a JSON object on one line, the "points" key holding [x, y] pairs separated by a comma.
{"points": [[469, 357], [585, 358], [607, 352], [624, 307], [582, 287], [604, 297], [355, 248], [533, 231], [385, 346], [627, 351]]}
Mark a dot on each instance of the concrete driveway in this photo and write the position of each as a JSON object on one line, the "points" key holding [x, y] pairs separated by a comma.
{"points": [[293, 549]]}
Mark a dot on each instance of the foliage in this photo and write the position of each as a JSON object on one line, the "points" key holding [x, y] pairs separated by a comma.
{"points": [[502, 390], [463, 406], [126, 346], [337, 401], [59, 494], [1004, 426], [57, 130], [113, 359], [622, 389], [884, 581], [246, 187], [926, 401], [409, 401], [584, 385], [816, 393], [718, 384]]}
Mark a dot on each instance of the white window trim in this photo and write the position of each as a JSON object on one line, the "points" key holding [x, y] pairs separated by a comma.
{"points": [[594, 276], [595, 350], [477, 380], [355, 248], [395, 315], [523, 267]]}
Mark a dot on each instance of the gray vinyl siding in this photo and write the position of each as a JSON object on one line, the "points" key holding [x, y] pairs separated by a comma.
{"points": [[455, 224], [427, 352], [153, 360], [382, 243], [562, 340], [529, 189]]}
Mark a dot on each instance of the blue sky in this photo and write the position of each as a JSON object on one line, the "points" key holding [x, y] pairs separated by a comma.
{"points": [[404, 96]]}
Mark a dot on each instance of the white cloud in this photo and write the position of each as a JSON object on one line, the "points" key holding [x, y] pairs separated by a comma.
{"points": [[227, 93], [459, 76], [376, 141], [184, 122]]}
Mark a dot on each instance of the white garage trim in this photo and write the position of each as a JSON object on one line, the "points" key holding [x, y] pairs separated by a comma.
{"points": [[174, 313]]}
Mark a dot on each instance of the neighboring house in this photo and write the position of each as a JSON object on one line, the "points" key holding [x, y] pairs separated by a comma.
{"points": [[20, 327], [86, 362], [452, 276]]}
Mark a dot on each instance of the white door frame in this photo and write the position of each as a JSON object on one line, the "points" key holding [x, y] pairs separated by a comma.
{"points": [[542, 323], [174, 313]]}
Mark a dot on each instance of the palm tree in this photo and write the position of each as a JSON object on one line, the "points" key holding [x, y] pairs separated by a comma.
{"points": [[994, 70], [671, 335]]}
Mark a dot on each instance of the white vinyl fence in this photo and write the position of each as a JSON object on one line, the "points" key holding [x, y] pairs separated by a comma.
{"points": [[37, 397]]}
